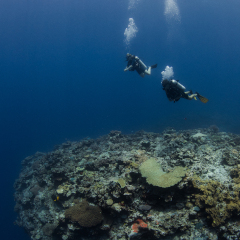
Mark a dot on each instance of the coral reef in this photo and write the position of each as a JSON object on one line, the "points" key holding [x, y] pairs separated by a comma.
{"points": [[170, 185]]}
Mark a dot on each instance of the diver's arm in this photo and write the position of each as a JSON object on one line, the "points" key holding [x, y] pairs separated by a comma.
{"points": [[127, 68], [148, 71]]}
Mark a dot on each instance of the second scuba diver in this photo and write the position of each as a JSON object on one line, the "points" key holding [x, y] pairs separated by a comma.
{"points": [[134, 63], [174, 91]]}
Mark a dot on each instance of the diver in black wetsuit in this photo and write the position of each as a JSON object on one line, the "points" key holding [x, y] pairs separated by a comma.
{"points": [[134, 63], [174, 91]]}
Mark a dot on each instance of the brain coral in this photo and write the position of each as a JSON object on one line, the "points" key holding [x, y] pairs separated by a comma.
{"points": [[154, 175], [85, 214]]}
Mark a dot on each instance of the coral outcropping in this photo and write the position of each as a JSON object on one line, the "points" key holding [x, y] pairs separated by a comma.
{"points": [[171, 185]]}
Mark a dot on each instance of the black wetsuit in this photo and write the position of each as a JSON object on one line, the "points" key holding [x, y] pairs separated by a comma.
{"points": [[135, 65], [174, 93]]}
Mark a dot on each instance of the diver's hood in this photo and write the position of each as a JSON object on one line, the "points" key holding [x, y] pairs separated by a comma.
{"points": [[128, 56], [165, 82]]}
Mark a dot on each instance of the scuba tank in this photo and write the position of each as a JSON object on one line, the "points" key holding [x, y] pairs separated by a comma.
{"points": [[177, 84], [142, 66]]}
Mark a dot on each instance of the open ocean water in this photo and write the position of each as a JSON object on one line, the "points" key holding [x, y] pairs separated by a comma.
{"points": [[62, 78]]}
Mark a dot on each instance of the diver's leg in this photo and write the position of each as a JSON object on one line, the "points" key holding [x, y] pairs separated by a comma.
{"points": [[148, 71], [190, 91], [190, 97]]}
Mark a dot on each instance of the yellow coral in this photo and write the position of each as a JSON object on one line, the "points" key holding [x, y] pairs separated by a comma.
{"points": [[122, 182], [155, 175], [218, 201]]}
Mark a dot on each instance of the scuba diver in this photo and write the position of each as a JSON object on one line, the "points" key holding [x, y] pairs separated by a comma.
{"points": [[134, 63], [174, 91]]}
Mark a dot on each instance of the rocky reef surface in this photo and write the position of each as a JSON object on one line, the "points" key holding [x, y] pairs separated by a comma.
{"points": [[172, 185]]}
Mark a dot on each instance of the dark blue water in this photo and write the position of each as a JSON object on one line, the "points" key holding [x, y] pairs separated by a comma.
{"points": [[62, 78]]}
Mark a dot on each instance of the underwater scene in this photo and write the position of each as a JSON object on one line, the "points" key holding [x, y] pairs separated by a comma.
{"points": [[120, 119]]}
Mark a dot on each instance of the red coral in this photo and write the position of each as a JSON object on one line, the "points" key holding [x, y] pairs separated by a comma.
{"points": [[135, 227], [140, 224]]}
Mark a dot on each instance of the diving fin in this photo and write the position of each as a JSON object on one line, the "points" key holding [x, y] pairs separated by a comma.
{"points": [[154, 66], [201, 98]]}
